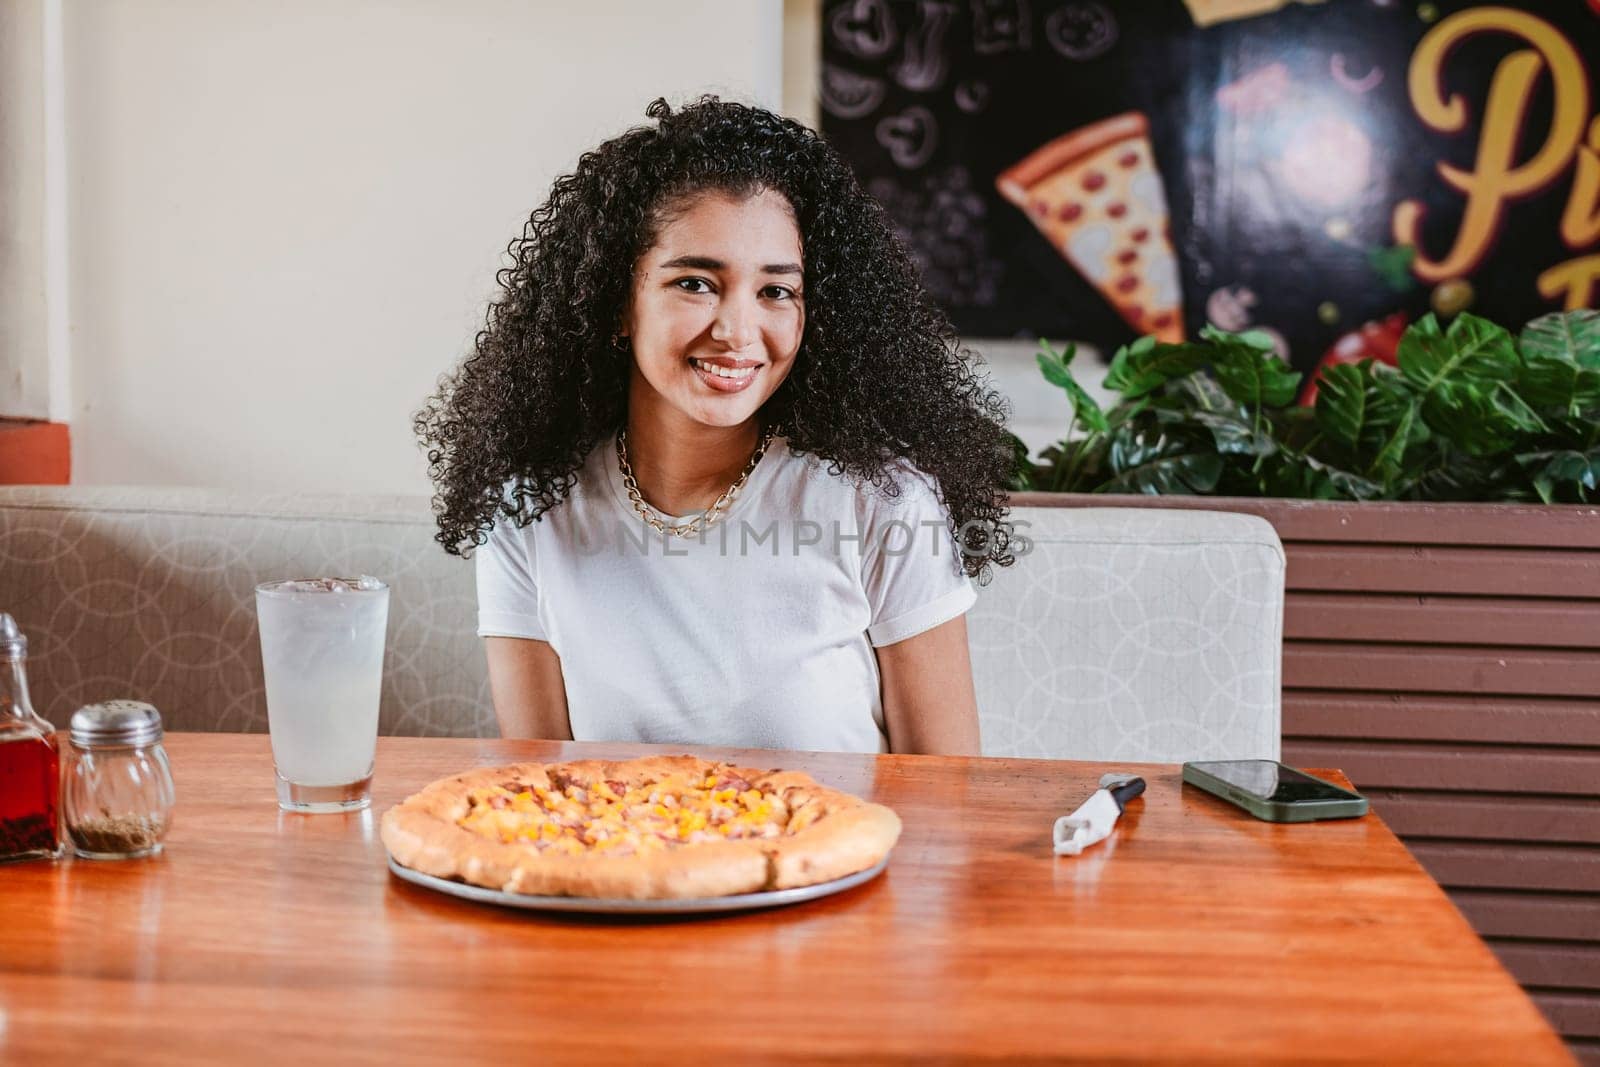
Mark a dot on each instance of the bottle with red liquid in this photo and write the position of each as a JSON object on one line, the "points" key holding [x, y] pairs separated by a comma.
{"points": [[30, 761]]}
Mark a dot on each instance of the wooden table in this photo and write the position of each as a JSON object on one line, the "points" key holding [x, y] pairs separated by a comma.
{"points": [[1196, 934]]}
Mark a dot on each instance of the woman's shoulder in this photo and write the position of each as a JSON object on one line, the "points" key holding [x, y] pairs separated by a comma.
{"points": [[900, 485]]}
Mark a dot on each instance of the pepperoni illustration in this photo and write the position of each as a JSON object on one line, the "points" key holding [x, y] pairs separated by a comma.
{"points": [[1093, 180], [1141, 235], [1069, 212], [1163, 320], [1127, 283], [1116, 211], [1128, 159], [1040, 208], [1127, 257]]}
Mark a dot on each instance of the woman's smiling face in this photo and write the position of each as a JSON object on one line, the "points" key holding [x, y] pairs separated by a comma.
{"points": [[716, 312]]}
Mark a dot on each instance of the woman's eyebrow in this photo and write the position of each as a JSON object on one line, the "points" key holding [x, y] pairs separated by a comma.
{"points": [[709, 263]]}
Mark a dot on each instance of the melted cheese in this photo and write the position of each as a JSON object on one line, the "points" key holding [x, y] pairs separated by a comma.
{"points": [[592, 816]]}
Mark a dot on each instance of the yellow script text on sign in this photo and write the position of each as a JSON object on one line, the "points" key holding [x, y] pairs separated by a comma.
{"points": [[1497, 178]]}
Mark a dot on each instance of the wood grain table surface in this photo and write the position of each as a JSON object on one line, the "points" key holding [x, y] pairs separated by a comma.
{"points": [[1196, 934]]}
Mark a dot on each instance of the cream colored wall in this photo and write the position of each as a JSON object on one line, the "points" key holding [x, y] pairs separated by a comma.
{"points": [[802, 57], [285, 218], [24, 365]]}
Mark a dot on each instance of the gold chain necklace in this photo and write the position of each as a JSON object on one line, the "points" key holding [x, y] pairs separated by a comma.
{"points": [[706, 518]]}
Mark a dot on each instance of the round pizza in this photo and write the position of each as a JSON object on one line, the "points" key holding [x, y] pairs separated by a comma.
{"points": [[669, 827]]}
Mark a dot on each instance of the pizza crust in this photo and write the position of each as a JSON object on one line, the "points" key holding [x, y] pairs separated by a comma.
{"points": [[826, 834], [848, 841], [1068, 149]]}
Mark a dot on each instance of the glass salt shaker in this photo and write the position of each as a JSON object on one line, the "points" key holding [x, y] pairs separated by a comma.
{"points": [[117, 791], [30, 758]]}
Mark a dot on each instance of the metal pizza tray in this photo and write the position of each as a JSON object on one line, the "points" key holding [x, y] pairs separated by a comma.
{"points": [[612, 906]]}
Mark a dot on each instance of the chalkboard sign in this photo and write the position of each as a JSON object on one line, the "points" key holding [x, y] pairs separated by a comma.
{"points": [[1097, 170]]}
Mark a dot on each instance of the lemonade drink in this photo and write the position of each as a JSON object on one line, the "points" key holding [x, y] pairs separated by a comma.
{"points": [[322, 650]]}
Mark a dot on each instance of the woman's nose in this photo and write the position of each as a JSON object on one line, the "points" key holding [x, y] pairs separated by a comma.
{"points": [[735, 324]]}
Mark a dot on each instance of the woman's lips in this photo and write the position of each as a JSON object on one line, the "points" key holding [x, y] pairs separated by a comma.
{"points": [[722, 384]]}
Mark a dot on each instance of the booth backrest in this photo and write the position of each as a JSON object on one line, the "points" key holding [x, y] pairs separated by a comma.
{"points": [[1133, 634], [1129, 634], [149, 594]]}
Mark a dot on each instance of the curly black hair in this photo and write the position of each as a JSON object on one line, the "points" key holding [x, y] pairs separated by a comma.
{"points": [[880, 373]]}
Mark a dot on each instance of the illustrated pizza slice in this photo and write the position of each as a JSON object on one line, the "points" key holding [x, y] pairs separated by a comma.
{"points": [[1211, 12], [1096, 195]]}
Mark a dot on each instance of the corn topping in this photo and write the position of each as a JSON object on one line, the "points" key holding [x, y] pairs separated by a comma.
{"points": [[576, 816]]}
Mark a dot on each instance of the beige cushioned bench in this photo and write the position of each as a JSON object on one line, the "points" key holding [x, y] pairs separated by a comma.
{"points": [[1126, 634]]}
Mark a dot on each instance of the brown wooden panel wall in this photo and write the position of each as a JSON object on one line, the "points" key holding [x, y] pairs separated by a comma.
{"points": [[1447, 658]]}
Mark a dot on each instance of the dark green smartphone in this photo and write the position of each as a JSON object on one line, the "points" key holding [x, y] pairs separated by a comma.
{"points": [[1273, 792]]}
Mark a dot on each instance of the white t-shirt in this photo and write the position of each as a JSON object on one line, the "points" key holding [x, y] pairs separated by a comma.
{"points": [[758, 632]]}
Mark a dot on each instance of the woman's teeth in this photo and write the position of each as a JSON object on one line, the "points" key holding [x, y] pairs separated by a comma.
{"points": [[725, 372]]}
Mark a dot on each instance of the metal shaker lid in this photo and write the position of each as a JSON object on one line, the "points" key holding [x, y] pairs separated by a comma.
{"points": [[116, 722], [11, 639]]}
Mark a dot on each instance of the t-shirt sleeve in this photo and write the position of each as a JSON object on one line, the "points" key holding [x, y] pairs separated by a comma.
{"points": [[910, 565], [508, 588]]}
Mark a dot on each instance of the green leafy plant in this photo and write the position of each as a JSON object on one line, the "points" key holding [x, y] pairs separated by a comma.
{"points": [[1471, 413]]}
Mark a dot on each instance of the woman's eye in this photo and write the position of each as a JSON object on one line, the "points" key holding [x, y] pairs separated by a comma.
{"points": [[778, 292], [693, 285]]}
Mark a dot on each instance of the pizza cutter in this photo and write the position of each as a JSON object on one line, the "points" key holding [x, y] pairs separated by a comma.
{"points": [[1095, 817]]}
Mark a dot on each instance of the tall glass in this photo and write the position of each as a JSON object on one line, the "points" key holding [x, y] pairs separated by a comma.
{"points": [[322, 651]]}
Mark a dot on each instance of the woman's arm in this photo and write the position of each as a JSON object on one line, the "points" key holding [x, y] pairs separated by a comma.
{"points": [[928, 701], [530, 697]]}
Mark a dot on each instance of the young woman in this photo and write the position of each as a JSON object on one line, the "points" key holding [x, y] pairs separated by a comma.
{"points": [[727, 470]]}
